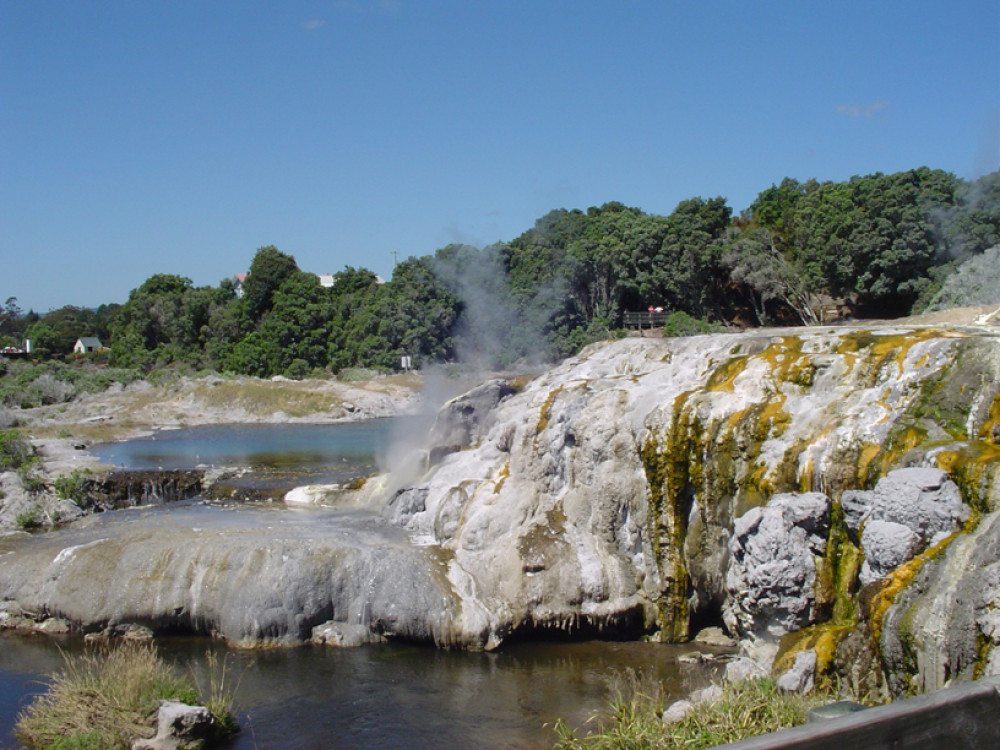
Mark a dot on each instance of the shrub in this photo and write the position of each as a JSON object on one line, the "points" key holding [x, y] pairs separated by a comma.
{"points": [[72, 486], [32, 481], [297, 369], [53, 391], [27, 385], [681, 324], [29, 519], [15, 451], [103, 699]]}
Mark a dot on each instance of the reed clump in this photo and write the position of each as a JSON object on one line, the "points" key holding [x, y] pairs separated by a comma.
{"points": [[634, 718], [217, 685], [106, 698]]}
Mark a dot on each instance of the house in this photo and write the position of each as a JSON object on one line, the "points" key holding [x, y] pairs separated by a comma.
{"points": [[87, 344], [238, 280]]}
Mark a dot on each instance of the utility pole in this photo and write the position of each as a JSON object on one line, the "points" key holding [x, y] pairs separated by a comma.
{"points": [[394, 253]]}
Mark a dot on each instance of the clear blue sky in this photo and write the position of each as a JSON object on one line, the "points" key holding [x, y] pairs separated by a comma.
{"points": [[141, 137]]}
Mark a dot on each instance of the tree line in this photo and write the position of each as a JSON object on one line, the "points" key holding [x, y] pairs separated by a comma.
{"points": [[871, 246]]}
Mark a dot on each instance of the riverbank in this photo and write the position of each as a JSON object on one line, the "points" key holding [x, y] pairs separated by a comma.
{"points": [[62, 433], [123, 412]]}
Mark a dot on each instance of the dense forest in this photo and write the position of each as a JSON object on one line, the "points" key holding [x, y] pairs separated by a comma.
{"points": [[873, 246]]}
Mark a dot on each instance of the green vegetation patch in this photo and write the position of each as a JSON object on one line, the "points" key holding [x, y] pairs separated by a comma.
{"points": [[15, 451], [975, 467], [29, 519], [105, 699], [670, 497], [72, 486], [26, 385], [634, 718]]}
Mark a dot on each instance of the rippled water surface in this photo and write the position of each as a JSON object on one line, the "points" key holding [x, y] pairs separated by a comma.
{"points": [[278, 455], [391, 696]]}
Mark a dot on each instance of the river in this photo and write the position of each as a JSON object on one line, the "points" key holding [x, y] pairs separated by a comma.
{"points": [[386, 696]]}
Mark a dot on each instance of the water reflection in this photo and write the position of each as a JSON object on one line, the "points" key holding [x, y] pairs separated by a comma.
{"points": [[394, 696], [279, 455]]}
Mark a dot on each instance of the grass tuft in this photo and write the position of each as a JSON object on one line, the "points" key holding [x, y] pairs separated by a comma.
{"points": [[635, 717], [218, 686], [104, 699]]}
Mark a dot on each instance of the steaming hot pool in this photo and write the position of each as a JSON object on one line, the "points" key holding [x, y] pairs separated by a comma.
{"points": [[386, 696]]}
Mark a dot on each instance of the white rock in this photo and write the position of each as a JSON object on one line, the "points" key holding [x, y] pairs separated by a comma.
{"points": [[772, 571], [344, 635], [714, 636], [800, 678], [743, 669], [887, 545], [676, 711], [179, 726], [709, 694]]}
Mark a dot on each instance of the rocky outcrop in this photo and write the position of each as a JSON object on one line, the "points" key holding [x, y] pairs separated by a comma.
{"points": [[464, 420], [24, 508], [645, 486], [240, 573], [801, 677], [180, 727], [908, 511], [942, 625], [42, 506], [773, 553]]}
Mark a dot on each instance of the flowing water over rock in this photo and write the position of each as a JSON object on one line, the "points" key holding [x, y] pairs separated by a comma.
{"points": [[317, 697]]}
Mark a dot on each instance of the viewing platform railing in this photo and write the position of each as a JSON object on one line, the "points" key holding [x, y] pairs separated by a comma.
{"points": [[645, 319]]}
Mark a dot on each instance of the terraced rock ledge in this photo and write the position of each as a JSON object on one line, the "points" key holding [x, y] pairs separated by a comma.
{"points": [[620, 493]]}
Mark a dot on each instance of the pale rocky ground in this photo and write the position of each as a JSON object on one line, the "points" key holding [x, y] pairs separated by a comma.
{"points": [[124, 412], [613, 493], [62, 432]]}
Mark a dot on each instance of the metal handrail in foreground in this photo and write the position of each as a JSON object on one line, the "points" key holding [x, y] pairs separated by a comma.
{"points": [[965, 717]]}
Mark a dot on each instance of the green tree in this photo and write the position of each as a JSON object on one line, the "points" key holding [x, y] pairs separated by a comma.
{"points": [[416, 315], [760, 272], [874, 240], [686, 272], [44, 338], [12, 322], [615, 251], [69, 324], [163, 321], [774, 208], [298, 324], [270, 267]]}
